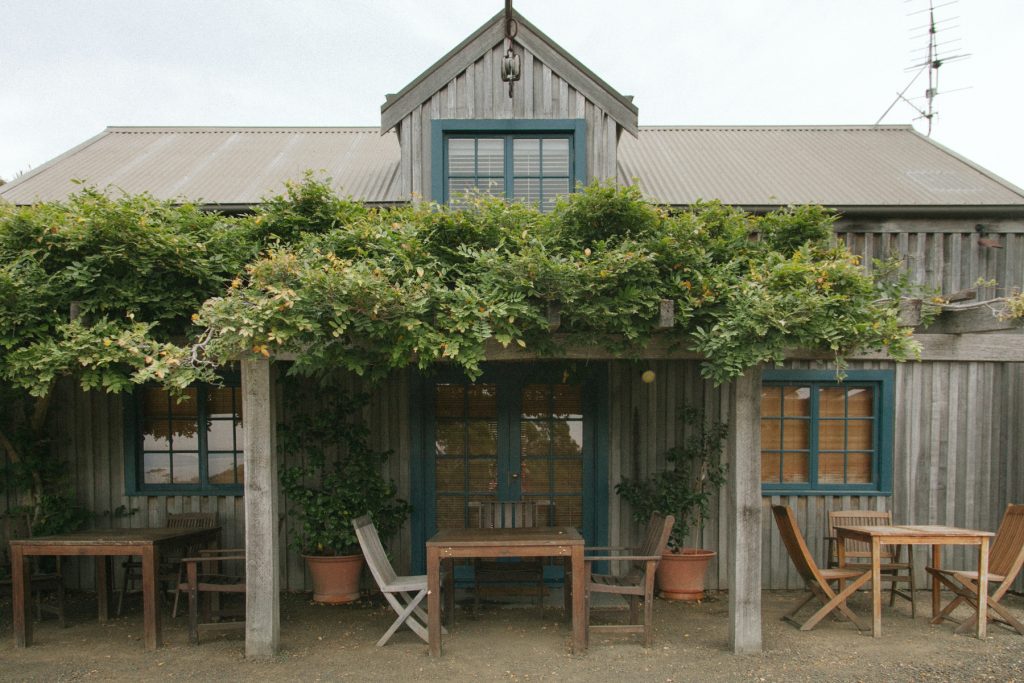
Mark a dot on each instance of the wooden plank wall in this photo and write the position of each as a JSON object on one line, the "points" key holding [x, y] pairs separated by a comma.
{"points": [[479, 93], [88, 429], [945, 254], [958, 459]]}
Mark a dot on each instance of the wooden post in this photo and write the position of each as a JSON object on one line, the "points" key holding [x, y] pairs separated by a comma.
{"points": [[666, 313], [744, 513], [262, 565]]}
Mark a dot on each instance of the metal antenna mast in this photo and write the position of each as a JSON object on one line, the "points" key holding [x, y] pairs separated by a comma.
{"points": [[933, 58]]}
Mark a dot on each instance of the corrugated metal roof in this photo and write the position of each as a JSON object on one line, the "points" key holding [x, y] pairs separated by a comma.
{"points": [[231, 166], [839, 166]]}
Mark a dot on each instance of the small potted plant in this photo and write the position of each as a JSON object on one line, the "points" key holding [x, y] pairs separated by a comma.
{"points": [[339, 477], [693, 474]]}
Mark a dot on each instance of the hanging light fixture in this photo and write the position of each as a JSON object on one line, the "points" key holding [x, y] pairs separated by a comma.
{"points": [[510, 65]]}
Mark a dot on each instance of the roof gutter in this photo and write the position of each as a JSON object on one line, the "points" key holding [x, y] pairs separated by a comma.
{"points": [[902, 211]]}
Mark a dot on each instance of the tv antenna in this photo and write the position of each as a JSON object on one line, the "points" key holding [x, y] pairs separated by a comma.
{"points": [[929, 59]]}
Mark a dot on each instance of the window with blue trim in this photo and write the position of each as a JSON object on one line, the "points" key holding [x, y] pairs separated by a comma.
{"points": [[823, 436], [534, 161], [192, 445]]}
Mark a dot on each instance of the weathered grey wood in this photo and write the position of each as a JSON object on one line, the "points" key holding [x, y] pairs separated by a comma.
{"points": [[434, 78], [744, 518], [983, 316], [262, 605]]}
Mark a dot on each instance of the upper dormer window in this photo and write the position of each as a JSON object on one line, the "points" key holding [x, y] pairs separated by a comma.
{"points": [[535, 169], [534, 161]]}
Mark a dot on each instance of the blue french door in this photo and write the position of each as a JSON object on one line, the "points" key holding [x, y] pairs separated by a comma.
{"points": [[520, 432]]}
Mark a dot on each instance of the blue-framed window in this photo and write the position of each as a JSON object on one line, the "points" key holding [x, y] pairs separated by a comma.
{"points": [[188, 446], [826, 437], [534, 161]]}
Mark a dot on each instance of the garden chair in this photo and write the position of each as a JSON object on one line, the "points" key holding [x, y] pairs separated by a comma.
{"points": [[894, 570], [1005, 561], [636, 585], [205, 574], [403, 593], [818, 581], [48, 580], [491, 572], [169, 566]]}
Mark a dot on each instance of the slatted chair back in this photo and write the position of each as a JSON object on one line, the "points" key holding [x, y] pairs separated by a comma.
{"points": [[373, 551], [508, 515], [1007, 555], [796, 546], [859, 551], [191, 520], [655, 539]]}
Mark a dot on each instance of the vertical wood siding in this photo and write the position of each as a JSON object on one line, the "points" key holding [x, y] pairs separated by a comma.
{"points": [[945, 255], [88, 434], [479, 93]]}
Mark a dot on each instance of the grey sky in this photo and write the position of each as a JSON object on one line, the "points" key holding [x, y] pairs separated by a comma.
{"points": [[70, 68]]}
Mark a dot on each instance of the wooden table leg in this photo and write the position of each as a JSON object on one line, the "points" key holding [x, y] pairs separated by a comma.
{"points": [[579, 617], [150, 605], [876, 587], [193, 602], [449, 592], [103, 567], [434, 600], [983, 588], [20, 590], [936, 586], [567, 586]]}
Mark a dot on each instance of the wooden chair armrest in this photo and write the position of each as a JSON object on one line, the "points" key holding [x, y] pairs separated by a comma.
{"points": [[221, 551], [628, 558], [610, 548], [207, 558]]}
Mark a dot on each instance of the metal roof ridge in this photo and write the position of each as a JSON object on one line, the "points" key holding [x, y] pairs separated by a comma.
{"points": [[249, 129], [782, 127]]}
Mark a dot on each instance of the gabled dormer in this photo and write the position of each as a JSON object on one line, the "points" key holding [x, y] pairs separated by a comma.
{"points": [[459, 128]]}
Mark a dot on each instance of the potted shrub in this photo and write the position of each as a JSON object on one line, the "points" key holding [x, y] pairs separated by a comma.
{"points": [[338, 478], [692, 475]]}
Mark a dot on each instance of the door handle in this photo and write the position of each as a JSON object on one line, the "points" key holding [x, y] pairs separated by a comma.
{"points": [[515, 475]]}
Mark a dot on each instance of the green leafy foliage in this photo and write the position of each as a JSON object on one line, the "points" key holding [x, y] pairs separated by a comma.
{"points": [[134, 270], [337, 476], [692, 475], [387, 288]]}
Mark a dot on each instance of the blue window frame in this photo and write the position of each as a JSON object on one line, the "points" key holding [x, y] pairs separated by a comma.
{"points": [[820, 436], [530, 160], [187, 447]]}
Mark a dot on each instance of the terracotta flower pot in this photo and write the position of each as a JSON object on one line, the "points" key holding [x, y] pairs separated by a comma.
{"points": [[335, 577], [680, 575]]}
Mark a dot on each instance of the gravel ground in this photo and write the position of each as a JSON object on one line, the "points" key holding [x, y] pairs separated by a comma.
{"points": [[515, 643]]}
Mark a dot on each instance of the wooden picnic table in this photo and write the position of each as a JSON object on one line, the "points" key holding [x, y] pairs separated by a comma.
{"points": [[936, 537], [102, 544], [449, 544]]}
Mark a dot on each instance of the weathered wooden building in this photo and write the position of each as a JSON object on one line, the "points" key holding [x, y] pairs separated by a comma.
{"points": [[936, 441]]}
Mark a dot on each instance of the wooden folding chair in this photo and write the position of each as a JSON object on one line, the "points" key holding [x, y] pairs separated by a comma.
{"points": [[168, 572], [894, 570], [1005, 561], [403, 593], [205, 574], [638, 582], [818, 581], [491, 572]]}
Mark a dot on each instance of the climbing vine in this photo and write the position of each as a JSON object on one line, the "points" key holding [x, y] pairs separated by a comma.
{"points": [[371, 290]]}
